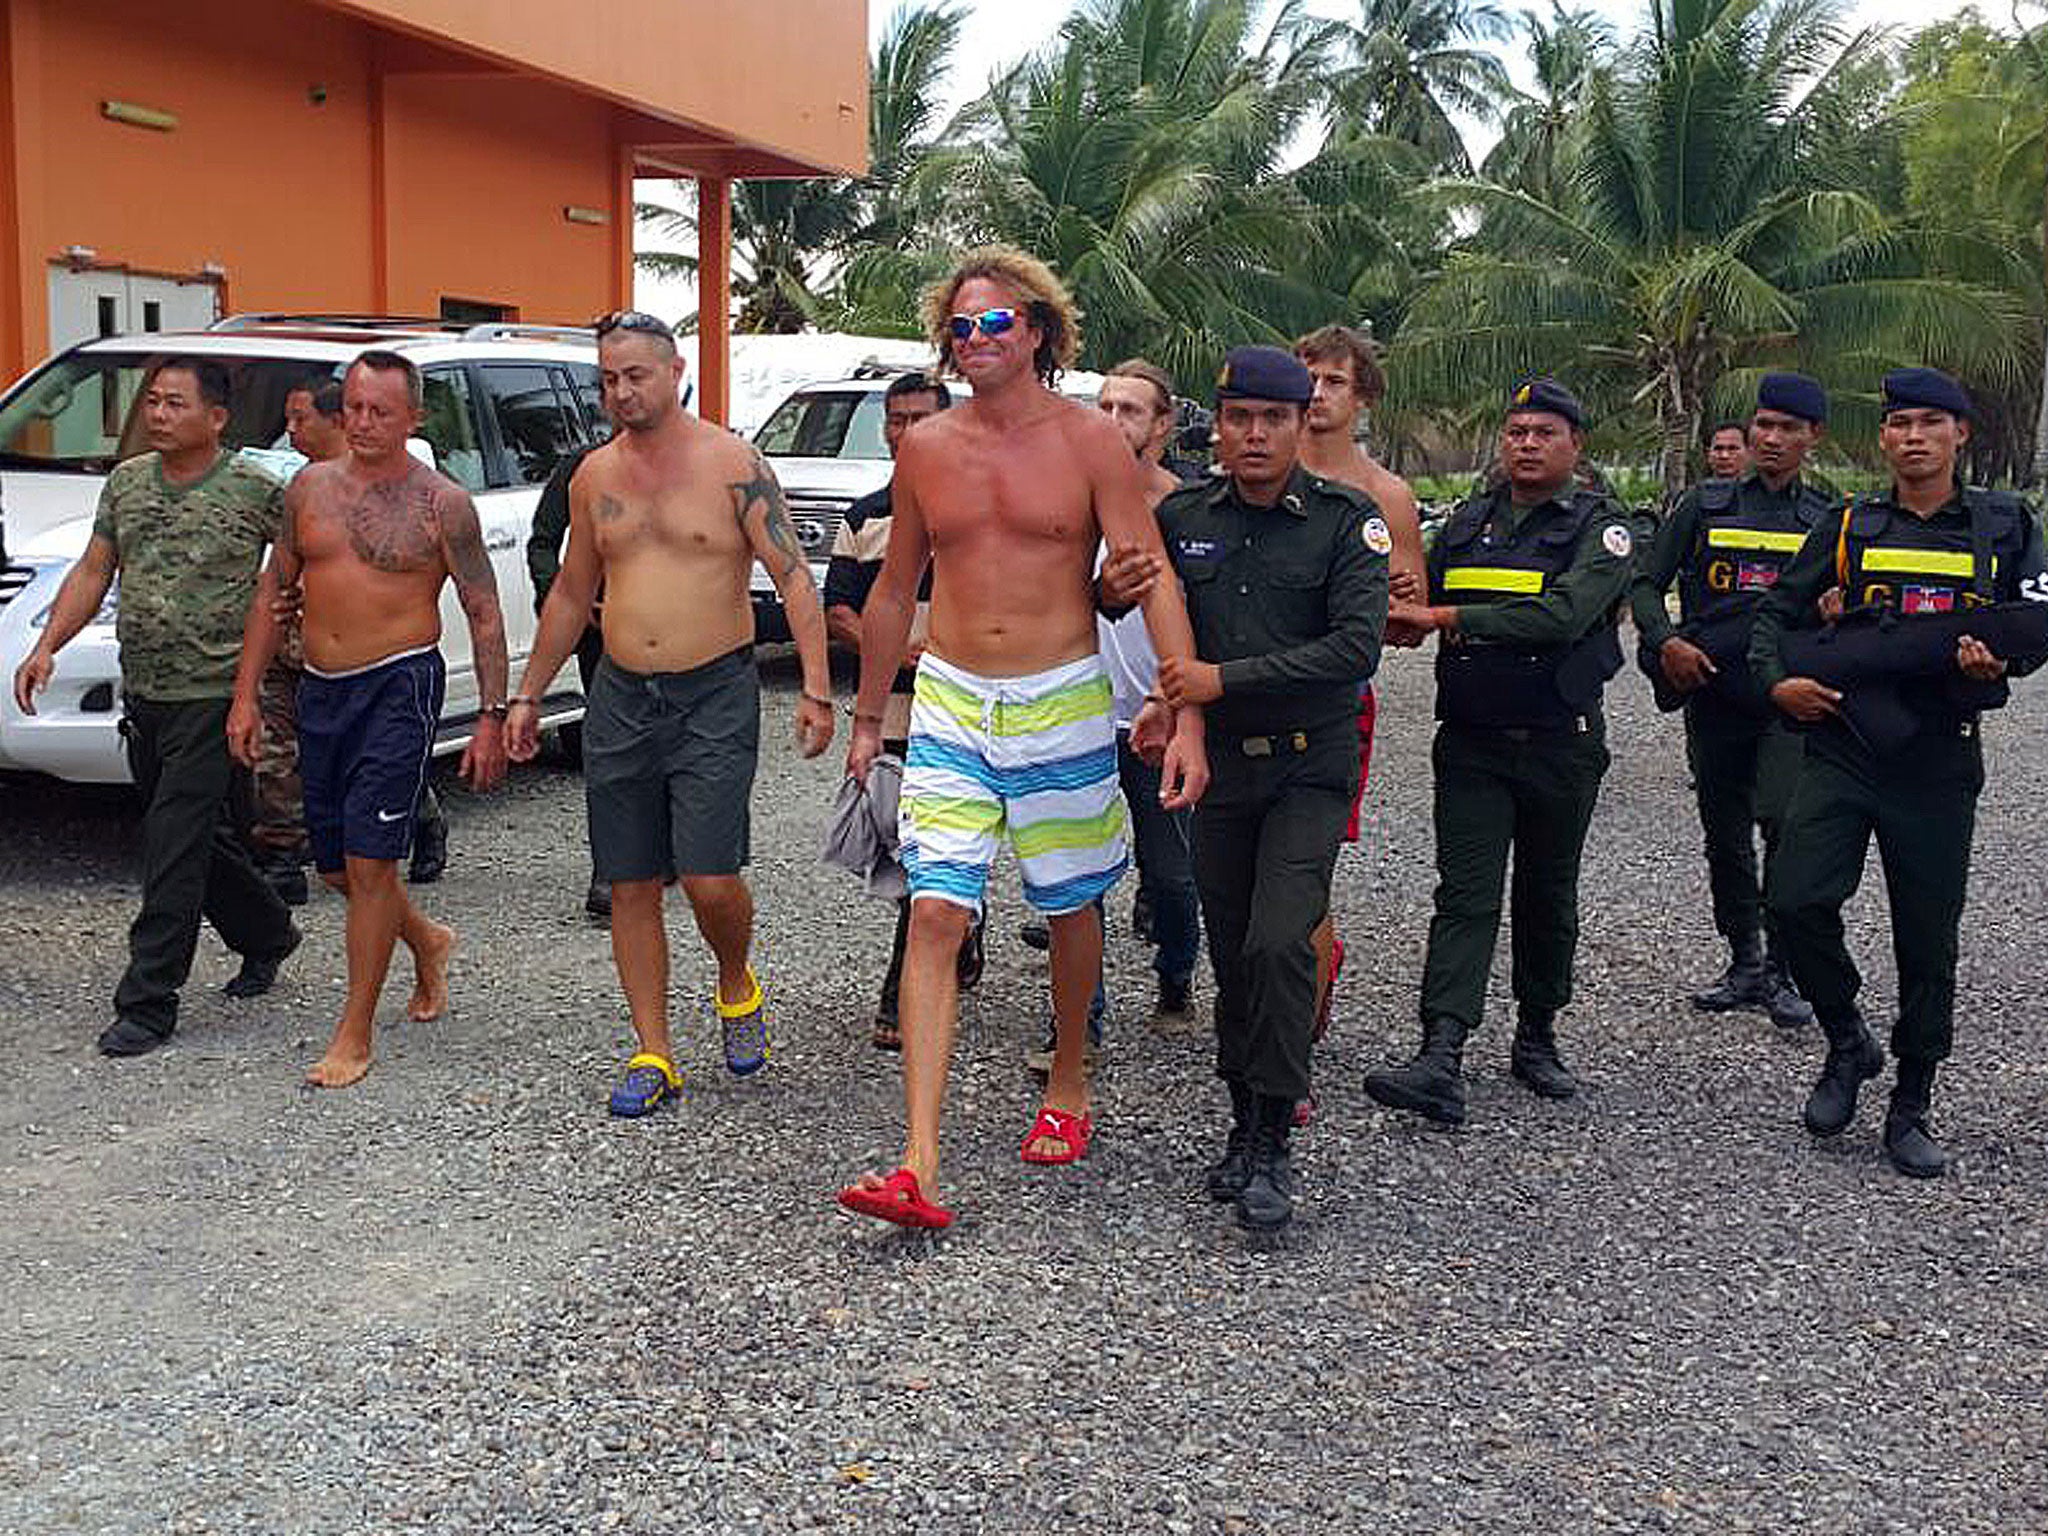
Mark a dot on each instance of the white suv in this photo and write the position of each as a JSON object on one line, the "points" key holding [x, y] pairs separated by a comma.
{"points": [[503, 404]]}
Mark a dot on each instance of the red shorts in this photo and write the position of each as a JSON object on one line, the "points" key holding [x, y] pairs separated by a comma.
{"points": [[1368, 710]]}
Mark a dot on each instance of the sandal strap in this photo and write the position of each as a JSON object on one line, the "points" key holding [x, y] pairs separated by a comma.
{"points": [[745, 1006], [660, 1064]]}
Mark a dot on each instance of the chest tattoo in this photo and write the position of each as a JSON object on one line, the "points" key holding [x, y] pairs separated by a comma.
{"points": [[394, 525]]}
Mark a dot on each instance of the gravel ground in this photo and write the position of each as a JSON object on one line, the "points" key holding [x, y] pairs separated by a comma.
{"points": [[460, 1299]]}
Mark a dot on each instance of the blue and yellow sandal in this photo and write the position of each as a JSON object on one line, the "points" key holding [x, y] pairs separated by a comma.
{"points": [[745, 1026], [650, 1081]]}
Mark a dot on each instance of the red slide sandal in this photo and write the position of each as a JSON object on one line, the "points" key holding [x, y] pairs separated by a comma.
{"points": [[897, 1199]]}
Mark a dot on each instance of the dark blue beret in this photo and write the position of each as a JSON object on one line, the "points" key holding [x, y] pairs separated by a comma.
{"points": [[1930, 389], [1541, 394], [1264, 373], [1794, 394]]}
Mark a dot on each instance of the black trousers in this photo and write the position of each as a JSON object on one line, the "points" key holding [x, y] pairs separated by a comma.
{"points": [[1921, 804], [1265, 845], [1743, 771], [194, 861], [1531, 792]]}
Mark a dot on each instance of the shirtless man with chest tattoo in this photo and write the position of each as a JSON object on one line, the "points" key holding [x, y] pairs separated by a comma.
{"points": [[670, 516], [371, 538]]}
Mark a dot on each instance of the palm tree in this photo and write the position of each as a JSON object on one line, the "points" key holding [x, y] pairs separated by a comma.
{"points": [[1413, 67], [1533, 146], [1714, 227], [1142, 156]]}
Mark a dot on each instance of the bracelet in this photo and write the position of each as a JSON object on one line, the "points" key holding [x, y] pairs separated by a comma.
{"points": [[518, 700], [495, 711], [1155, 698], [860, 717], [812, 698]]}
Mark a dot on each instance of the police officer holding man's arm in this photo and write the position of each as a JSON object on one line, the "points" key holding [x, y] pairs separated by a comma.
{"points": [[1926, 547], [1286, 580], [1725, 543], [1525, 581]]}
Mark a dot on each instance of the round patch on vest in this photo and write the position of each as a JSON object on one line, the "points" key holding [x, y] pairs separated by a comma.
{"points": [[1377, 539], [1617, 541]]}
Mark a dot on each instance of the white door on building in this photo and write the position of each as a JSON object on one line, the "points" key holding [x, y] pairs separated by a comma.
{"points": [[103, 301]]}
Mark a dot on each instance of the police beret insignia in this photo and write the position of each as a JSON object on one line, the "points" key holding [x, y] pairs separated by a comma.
{"points": [[1522, 395], [1616, 540], [1376, 537]]}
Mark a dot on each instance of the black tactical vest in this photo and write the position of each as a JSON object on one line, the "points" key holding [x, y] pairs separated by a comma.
{"points": [[1741, 552], [1889, 559], [1517, 686]]}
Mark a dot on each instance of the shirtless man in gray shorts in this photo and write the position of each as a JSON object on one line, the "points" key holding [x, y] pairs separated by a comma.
{"points": [[670, 516]]}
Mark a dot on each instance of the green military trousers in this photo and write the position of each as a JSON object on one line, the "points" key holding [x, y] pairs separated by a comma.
{"points": [[1532, 793], [1743, 769], [1922, 806]]}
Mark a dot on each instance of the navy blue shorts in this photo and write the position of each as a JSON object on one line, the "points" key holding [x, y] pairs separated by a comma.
{"points": [[365, 738]]}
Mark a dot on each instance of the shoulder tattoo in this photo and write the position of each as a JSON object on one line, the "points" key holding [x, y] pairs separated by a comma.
{"points": [[763, 489]]}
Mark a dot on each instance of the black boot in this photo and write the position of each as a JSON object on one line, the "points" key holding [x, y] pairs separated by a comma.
{"points": [[1742, 985], [597, 901], [259, 972], [1534, 1059], [1266, 1203], [1431, 1084], [1912, 1150], [1227, 1176], [1854, 1058], [1788, 1010]]}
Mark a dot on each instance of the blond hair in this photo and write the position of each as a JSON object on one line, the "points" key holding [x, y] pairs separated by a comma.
{"points": [[1040, 294], [1356, 348]]}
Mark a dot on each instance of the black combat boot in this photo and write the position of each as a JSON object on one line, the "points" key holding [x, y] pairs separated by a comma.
{"points": [[1913, 1152], [1534, 1059], [1227, 1176], [1743, 984], [1854, 1057], [1266, 1203], [1431, 1085], [1788, 1010]]}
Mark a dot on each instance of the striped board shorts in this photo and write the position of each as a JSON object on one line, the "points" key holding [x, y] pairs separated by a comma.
{"points": [[1031, 757]]}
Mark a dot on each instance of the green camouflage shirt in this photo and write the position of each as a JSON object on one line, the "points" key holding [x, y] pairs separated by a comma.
{"points": [[188, 558]]}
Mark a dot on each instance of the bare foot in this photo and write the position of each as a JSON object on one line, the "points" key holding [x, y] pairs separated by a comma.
{"points": [[430, 976], [339, 1068]]}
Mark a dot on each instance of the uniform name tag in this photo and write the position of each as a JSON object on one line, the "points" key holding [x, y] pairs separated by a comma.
{"points": [[1754, 576], [1927, 600], [1199, 548]]}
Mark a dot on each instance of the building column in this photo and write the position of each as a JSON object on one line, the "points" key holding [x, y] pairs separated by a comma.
{"points": [[714, 299]]}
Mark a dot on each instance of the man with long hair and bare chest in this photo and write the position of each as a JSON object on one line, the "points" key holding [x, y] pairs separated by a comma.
{"points": [[370, 539], [1012, 736], [670, 516]]}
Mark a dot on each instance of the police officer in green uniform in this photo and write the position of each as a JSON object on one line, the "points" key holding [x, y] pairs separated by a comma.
{"points": [[1286, 580], [1726, 542], [1526, 581], [1926, 546]]}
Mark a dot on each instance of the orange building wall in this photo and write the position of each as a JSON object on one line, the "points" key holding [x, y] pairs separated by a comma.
{"points": [[255, 176], [477, 171], [786, 75]]}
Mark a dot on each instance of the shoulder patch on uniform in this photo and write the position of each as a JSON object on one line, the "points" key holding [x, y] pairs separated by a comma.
{"points": [[1377, 538], [1615, 538]]}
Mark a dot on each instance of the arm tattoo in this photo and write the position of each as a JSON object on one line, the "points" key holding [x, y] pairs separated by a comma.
{"points": [[764, 488], [463, 537], [609, 508], [394, 525]]}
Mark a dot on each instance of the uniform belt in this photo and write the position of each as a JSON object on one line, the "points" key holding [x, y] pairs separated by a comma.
{"points": [[1285, 744], [1577, 725]]}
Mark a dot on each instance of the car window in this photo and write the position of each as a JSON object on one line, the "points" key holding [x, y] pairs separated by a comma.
{"points": [[816, 424], [78, 412], [450, 428], [864, 432], [588, 388], [536, 424]]}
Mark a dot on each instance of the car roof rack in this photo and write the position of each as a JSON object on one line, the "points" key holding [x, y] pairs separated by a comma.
{"points": [[352, 322], [503, 330]]}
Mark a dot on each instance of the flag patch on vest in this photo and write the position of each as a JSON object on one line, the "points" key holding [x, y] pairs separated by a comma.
{"points": [[1617, 541], [1377, 539], [1927, 600], [1754, 576]]}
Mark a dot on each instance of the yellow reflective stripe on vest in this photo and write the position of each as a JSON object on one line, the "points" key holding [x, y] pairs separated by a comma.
{"points": [[1921, 562], [1491, 578], [1754, 538]]}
